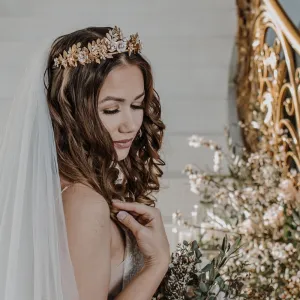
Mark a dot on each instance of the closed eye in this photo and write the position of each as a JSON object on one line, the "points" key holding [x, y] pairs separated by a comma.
{"points": [[137, 106], [140, 106], [110, 112], [115, 111]]}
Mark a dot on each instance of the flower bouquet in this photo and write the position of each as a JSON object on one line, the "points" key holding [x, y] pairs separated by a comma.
{"points": [[186, 278]]}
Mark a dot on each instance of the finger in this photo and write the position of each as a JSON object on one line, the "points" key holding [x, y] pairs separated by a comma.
{"points": [[144, 220], [132, 212], [138, 208], [146, 214], [129, 221]]}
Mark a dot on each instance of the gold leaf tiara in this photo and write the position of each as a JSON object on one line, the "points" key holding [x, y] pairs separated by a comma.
{"points": [[100, 49]]}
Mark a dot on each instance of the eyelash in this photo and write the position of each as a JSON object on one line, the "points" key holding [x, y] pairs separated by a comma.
{"points": [[112, 112]]}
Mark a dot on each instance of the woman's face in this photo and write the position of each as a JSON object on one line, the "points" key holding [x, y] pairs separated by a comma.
{"points": [[120, 106]]}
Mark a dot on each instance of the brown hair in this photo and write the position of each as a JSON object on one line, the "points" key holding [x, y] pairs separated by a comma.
{"points": [[85, 150]]}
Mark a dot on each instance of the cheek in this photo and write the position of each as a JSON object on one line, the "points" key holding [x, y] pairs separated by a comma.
{"points": [[139, 119], [110, 122]]}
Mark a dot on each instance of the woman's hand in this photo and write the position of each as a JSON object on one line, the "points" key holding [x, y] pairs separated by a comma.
{"points": [[146, 224]]}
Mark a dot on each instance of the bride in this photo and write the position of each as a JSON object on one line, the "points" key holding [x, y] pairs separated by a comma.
{"points": [[78, 163]]}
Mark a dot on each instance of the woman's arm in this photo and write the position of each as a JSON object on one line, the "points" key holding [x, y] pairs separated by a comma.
{"points": [[144, 284], [89, 236], [146, 224]]}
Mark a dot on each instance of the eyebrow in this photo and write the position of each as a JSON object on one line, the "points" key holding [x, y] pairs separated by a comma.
{"points": [[120, 99]]}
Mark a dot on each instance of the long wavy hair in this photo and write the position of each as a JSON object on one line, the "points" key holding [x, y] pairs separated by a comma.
{"points": [[85, 150]]}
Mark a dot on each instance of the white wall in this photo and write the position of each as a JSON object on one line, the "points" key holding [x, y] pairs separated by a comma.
{"points": [[189, 44]]}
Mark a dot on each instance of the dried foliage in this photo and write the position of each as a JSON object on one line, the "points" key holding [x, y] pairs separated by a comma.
{"points": [[256, 196], [186, 279]]}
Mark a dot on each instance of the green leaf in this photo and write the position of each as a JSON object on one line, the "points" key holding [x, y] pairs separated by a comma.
{"points": [[222, 262], [244, 296], [220, 282], [201, 277], [207, 268], [185, 243], [234, 149], [222, 253], [203, 287], [234, 247], [225, 288], [213, 262], [224, 243], [198, 293], [198, 253], [195, 245], [296, 218], [228, 247], [212, 274]]}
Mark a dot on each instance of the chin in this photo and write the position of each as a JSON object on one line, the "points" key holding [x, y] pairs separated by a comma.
{"points": [[122, 154]]}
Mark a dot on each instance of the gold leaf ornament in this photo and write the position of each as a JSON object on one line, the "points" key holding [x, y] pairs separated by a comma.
{"points": [[100, 49]]}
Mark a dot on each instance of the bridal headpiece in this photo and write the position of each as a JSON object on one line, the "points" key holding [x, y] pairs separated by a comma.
{"points": [[100, 49]]}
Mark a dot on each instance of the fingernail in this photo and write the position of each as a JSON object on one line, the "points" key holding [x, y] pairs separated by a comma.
{"points": [[114, 201], [122, 215]]}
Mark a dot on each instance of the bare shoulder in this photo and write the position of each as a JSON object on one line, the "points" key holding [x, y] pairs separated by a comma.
{"points": [[82, 194], [87, 216], [80, 199]]}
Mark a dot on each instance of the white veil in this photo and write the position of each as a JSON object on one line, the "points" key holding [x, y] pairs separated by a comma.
{"points": [[34, 256]]}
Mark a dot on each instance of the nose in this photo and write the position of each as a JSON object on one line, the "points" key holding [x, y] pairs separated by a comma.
{"points": [[128, 123]]}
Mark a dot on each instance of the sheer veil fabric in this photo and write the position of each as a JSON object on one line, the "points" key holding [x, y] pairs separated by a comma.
{"points": [[35, 262]]}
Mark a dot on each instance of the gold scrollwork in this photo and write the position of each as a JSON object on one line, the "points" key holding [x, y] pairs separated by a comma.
{"points": [[267, 75]]}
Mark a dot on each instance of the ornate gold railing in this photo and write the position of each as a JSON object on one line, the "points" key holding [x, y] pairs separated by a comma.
{"points": [[267, 74]]}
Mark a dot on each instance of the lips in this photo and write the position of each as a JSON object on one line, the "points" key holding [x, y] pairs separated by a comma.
{"points": [[123, 141], [123, 144]]}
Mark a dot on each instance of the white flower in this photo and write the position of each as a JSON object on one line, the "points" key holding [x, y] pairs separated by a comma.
{"points": [[247, 227], [199, 180], [82, 56], [289, 248], [113, 46], [236, 160], [195, 141], [217, 161], [194, 189], [212, 146], [288, 191], [121, 46], [56, 62], [274, 216]]}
